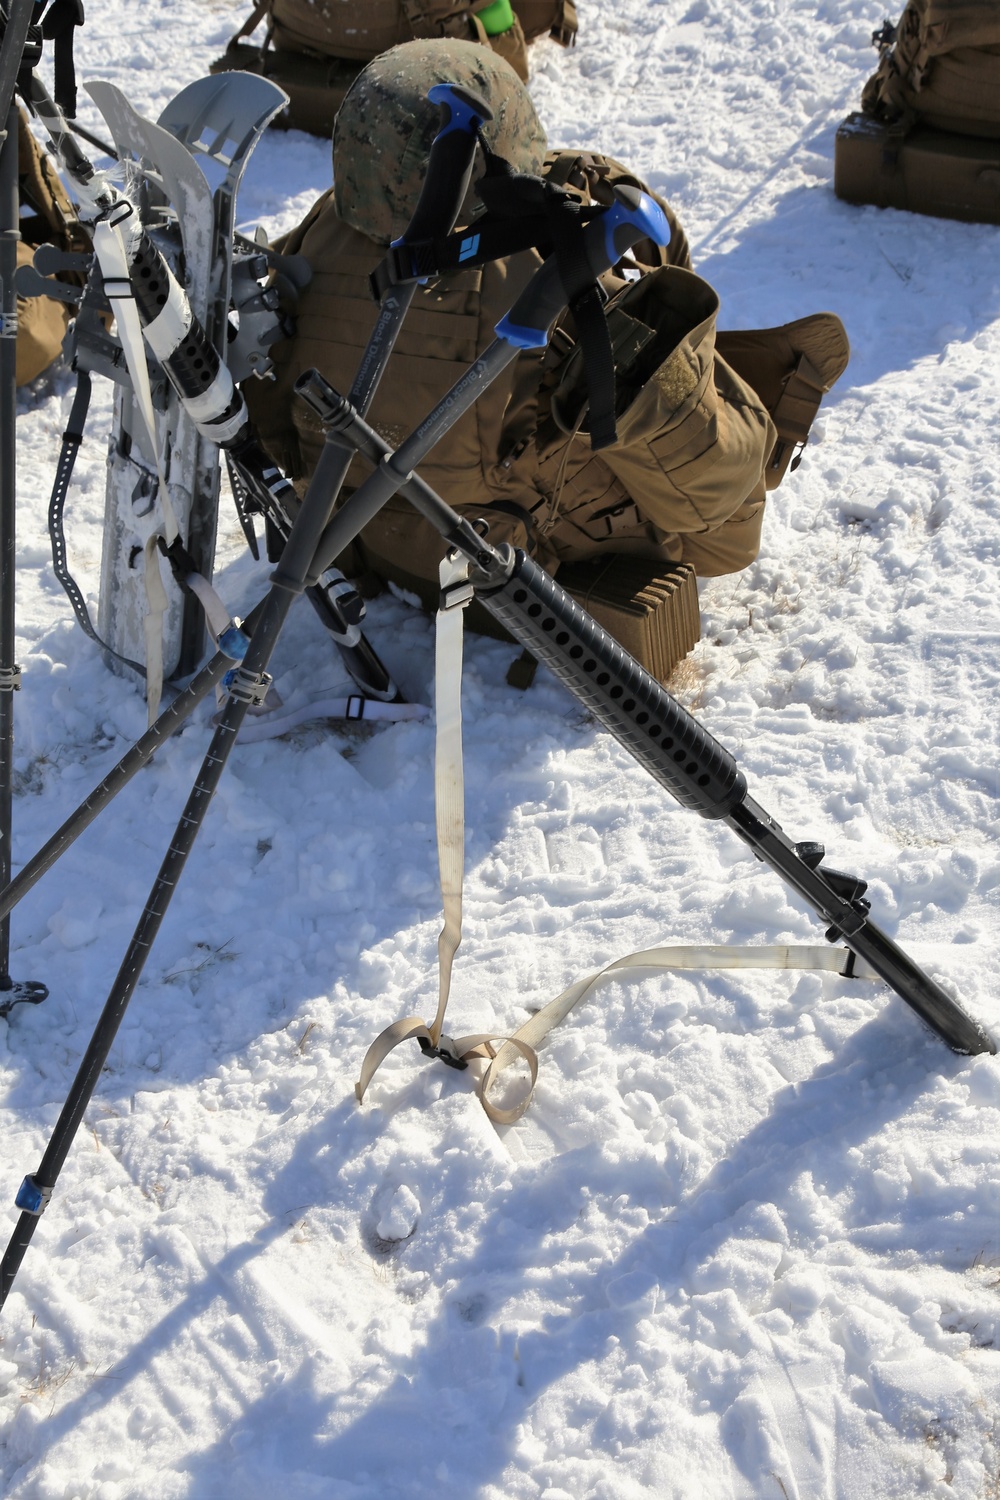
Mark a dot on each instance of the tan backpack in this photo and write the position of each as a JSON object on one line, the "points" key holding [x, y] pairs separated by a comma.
{"points": [[314, 49], [47, 215], [771, 379], [51, 215], [939, 66], [361, 29]]}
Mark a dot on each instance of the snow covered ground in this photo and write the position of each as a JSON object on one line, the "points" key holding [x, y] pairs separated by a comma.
{"points": [[746, 1242]]}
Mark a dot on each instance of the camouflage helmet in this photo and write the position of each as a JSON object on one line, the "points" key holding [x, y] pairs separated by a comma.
{"points": [[383, 131]]}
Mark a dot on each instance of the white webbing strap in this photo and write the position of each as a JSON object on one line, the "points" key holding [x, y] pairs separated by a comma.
{"points": [[272, 722], [449, 794], [655, 960], [449, 775], [109, 246]]}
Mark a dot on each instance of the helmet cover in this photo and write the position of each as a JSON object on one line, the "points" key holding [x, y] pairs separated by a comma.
{"points": [[384, 129]]}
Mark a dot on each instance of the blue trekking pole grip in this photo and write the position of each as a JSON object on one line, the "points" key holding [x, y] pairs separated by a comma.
{"points": [[633, 216], [449, 169]]}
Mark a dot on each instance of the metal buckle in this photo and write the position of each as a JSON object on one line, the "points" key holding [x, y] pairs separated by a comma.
{"points": [[445, 1051], [250, 687], [456, 595]]}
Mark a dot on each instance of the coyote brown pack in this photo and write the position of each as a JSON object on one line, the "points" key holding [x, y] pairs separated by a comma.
{"points": [[699, 443]]}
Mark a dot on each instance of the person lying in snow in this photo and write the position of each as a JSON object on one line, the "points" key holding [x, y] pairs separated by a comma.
{"points": [[706, 422]]}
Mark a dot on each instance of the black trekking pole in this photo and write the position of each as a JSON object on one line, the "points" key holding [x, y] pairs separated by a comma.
{"points": [[444, 190], [15, 24], [660, 733], [137, 756], [12, 58]]}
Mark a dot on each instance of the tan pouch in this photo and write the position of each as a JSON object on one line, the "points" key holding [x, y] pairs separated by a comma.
{"points": [[692, 435], [790, 368]]}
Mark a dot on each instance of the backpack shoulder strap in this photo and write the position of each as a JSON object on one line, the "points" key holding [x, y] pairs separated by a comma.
{"points": [[260, 10]]}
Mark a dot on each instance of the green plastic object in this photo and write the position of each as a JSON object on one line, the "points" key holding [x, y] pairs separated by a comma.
{"points": [[497, 17]]}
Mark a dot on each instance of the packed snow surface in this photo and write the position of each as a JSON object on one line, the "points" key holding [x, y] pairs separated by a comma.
{"points": [[745, 1241]]}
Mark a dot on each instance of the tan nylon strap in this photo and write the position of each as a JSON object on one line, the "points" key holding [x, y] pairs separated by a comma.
{"points": [[793, 415], [527, 1038], [449, 778], [449, 799], [260, 10], [799, 402], [467, 1048], [655, 960], [400, 1031]]}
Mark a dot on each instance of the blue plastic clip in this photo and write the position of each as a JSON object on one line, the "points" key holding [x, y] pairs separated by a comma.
{"points": [[32, 1199], [233, 643], [521, 337]]}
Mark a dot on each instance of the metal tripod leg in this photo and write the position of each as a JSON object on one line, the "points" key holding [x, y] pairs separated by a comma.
{"points": [[249, 686]]}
